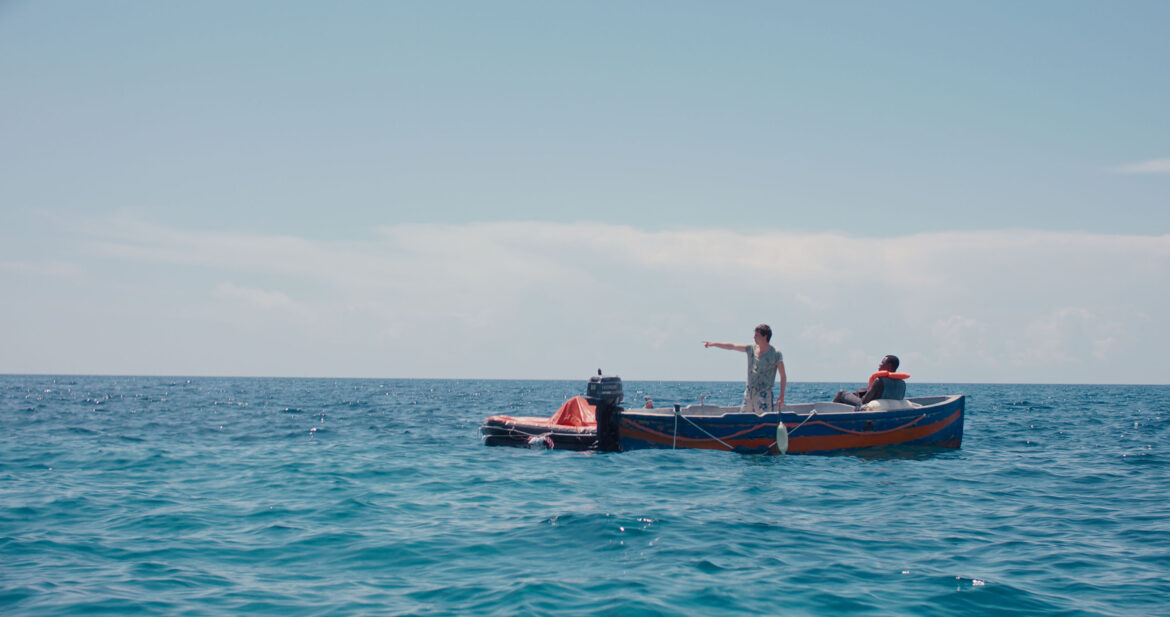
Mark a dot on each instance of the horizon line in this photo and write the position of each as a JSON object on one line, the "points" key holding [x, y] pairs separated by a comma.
{"points": [[722, 381]]}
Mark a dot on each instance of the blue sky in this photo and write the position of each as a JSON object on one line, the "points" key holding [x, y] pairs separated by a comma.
{"points": [[535, 189]]}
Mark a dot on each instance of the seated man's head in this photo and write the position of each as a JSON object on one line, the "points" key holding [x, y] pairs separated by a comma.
{"points": [[889, 363]]}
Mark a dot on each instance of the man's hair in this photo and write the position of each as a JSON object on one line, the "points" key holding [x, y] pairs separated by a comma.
{"points": [[892, 360], [765, 331]]}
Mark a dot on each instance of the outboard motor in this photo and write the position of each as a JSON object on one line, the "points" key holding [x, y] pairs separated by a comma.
{"points": [[605, 393]]}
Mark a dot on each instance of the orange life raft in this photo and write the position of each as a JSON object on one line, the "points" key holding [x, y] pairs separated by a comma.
{"points": [[572, 427]]}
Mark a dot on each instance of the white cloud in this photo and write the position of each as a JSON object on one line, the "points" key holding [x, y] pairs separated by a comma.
{"points": [[1057, 338], [1153, 166], [62, 269], [820, 334], [262, 300], [1077, 336], [553, 300], [957, 335]]}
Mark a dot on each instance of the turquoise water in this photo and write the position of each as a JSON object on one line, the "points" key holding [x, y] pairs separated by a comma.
{"points": [[209, 496]]}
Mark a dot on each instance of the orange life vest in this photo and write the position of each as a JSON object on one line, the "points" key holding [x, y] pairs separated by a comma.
{"points": [[891, 375]]}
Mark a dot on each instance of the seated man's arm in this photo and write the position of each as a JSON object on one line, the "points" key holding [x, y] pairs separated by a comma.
{"points": [[874, 392]]}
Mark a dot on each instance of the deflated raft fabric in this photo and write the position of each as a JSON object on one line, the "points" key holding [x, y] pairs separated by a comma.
{"points": [[575, 413]]}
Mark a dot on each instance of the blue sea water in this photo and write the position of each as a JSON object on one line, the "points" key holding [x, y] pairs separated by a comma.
{"points": [[230, 496]]}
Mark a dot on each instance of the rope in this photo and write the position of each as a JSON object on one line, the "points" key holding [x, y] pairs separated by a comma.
{"points": [[701, 429], [896, 428], [810, 415], [845, 430], [781, 419], [515, 430]]}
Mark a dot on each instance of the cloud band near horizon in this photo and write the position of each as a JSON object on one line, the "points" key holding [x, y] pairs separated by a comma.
{"points": [[545, 300], [1152, 166]]}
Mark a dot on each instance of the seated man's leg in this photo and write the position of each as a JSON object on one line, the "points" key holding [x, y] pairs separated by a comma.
{"points": [[849, 398]]}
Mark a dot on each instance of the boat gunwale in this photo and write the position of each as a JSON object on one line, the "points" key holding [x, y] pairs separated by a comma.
{"points": [[730, 414]]}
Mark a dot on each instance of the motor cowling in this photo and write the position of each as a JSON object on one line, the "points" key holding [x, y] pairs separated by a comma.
{"points": [[604, 389], [604, 392]]}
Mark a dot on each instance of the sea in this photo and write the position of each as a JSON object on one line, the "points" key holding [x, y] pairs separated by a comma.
{"points": [[263, 496]]}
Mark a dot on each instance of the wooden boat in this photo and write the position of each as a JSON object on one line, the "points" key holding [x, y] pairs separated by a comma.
{"points": [[812, 428], [809, 428]]}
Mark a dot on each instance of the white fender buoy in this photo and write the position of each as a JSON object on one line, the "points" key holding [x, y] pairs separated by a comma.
{"points": [[781, 437]]}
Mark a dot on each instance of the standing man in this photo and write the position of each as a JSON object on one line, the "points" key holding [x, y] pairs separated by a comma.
{"points": [[764, 361]]}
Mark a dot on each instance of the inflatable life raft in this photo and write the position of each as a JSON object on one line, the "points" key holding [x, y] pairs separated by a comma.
{"points": [[572, 427]]}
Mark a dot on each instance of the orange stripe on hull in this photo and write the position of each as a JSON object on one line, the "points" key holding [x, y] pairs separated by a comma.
{"points": [[817, 443], [637, 431], [796, 444]]}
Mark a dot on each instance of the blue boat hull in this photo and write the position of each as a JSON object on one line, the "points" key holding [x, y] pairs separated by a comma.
{"points": [[812, 428]]}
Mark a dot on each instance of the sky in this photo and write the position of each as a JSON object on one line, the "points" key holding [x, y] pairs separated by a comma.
{"points": [[535, 190]]}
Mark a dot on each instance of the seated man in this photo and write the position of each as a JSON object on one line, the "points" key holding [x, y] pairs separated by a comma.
{"points": [[886, 383]]}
